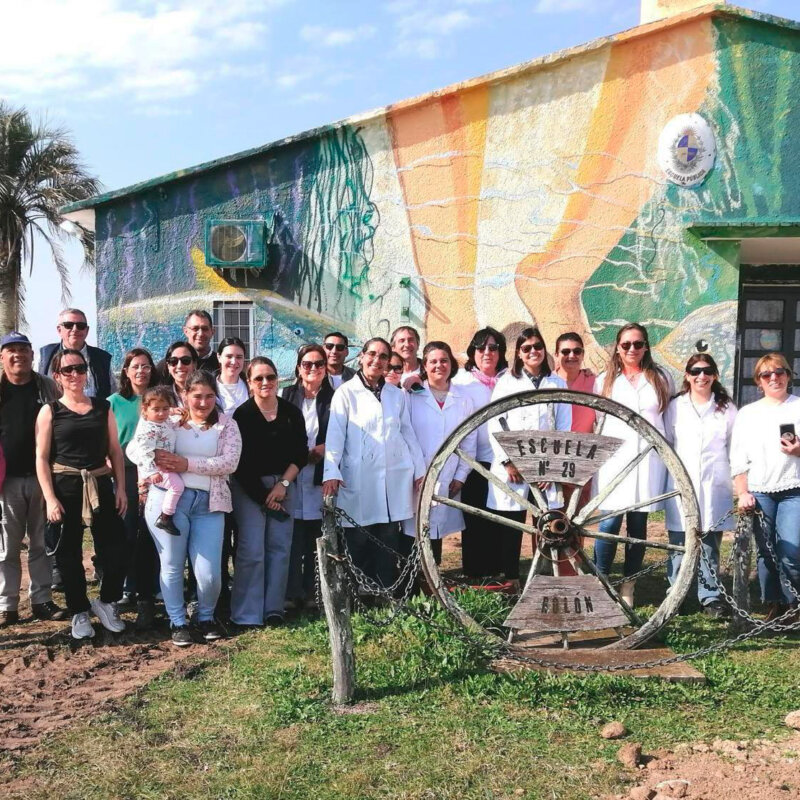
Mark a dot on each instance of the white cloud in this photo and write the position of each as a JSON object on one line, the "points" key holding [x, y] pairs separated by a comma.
{"points": [[564, 6], [425, 30], [336, 37], [149, 49]]}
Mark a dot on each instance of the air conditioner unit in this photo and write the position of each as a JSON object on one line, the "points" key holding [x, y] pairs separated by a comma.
{"points": [[235, 243]]}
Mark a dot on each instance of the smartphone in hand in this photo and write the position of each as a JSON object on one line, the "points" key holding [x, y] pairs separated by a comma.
{"points": [[788, 433]]}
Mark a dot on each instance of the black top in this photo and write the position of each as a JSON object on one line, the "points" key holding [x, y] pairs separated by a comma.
{"points": [[269, 447], [18, 414], [80, 440], [295, 395]]}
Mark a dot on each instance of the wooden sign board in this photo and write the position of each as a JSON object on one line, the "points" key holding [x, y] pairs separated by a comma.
{"points": [[559, 456], [569, 603]]}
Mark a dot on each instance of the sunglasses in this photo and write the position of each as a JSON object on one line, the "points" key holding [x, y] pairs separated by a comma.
{"points": [[768, 373], [695, 371], [637, 345], [77, 369], [537, 346], [379, 356], [173, 361], [261, 378], [69, 325], [395, 367], [565, 351], [492, 348], [339, 348], [309, 365]]}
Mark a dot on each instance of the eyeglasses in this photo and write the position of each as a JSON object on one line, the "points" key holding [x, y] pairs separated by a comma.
{"points": [[537, 346], [261, 378], [379, 356], [395, 368], [69, 325], [199, 328], [695, 371], [778, 372], [637, 345], [78, 369], [173, 361], [140, 367], [339, 348], [492, 348], [309, 365], [565, 351]]}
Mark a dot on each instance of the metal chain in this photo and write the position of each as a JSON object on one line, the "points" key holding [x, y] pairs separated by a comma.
{"points": [[507, 650]]}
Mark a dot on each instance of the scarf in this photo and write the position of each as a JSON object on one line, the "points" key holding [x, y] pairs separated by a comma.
{"points": [[485, 379], [376, 390]]}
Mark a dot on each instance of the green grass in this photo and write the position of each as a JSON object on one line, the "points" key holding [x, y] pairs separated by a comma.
{"points": [[435, 722]]}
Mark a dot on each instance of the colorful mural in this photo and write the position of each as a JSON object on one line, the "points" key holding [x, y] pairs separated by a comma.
{"points": [[530, 196]]}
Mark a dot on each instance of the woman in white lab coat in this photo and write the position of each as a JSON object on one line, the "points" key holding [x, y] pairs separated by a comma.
{"points": [[435, 412], [699, 424], [530, 370], [634, 380], [373, 461]]}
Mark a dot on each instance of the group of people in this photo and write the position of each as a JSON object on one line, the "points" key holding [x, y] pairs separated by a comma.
{"points": [[202, 458]]}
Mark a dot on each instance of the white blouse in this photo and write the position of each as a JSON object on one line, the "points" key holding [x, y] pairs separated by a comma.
{"points": [[200, 443], [308, 503], [648, 479], [756, 446], [232, 395]]}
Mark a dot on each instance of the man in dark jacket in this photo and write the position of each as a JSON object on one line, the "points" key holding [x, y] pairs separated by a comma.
{"points": [[73, 329], [22, 394]]}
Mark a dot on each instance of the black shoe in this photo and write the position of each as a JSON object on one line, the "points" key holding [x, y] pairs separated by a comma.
{"points": [[274, 621], [181, 636], [716, 609], [9, 617], [209, 630], [49, 610], [145, 615], [166, 523]]}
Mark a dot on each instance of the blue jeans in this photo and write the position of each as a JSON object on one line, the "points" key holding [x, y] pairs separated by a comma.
{"points": [[710, 544], [604, 552], [782, 530], [261, 567], [201, 537]]}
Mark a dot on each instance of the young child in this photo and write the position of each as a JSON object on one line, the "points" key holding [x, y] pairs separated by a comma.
{"points": [[156, 432]]}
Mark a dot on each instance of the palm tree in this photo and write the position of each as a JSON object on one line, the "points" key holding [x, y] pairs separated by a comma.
{"points": [[40, 171]]}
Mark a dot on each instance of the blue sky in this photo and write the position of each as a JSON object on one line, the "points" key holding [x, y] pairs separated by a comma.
{"points": [[150, 86]]}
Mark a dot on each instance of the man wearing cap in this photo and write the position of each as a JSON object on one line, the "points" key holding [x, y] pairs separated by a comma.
{"points": [[73, 329], [22, 393]]}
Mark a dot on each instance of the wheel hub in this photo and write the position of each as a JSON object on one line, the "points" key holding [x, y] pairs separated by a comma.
{"points": [[555, 530]]}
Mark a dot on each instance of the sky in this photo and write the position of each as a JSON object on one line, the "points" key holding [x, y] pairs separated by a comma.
{"points": [[150, 86]]}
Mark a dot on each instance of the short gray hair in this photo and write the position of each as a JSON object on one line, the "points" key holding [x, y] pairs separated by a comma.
{"points": [[72, 311]]}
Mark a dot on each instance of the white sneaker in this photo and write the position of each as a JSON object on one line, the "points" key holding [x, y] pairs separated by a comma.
{"points": [[81, 627], [108, 615]]}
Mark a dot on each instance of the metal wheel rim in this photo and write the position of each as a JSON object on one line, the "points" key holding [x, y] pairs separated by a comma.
{"points": [[684, 579]]}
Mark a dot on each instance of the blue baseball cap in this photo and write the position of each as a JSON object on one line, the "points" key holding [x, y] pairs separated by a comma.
{"points": [[14, 337]]}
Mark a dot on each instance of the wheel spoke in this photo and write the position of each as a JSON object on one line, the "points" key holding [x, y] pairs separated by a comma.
{"points": [[535, 561], [632, 507], [591, 568], [479, 512], [502, 486], [613, 537], [598, 499]]}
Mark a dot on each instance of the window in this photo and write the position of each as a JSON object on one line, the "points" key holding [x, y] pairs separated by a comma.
{"points": [[234, 319]]}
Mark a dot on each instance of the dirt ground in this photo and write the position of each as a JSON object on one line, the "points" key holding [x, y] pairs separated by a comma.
{"points": [[48, 681]]}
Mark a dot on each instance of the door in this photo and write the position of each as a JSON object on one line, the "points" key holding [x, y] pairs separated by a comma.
{"points": [[769, 321]]}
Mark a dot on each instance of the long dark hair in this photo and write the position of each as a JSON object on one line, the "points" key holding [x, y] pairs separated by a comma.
{"points": [[437, 346], [479, 339], [529, 333], [168, 379], [202, 378], [721, 396], [125, 386], [652, 372]]}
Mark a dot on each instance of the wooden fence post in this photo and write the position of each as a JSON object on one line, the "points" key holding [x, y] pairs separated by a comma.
{"points": [[742, 554], [336, 601]]}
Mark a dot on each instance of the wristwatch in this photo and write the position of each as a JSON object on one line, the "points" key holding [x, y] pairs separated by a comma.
{"points": [[505, 463], [284, 483]]}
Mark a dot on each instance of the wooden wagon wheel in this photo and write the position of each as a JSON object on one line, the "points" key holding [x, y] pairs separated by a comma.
{"points": [[559, 534]]}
